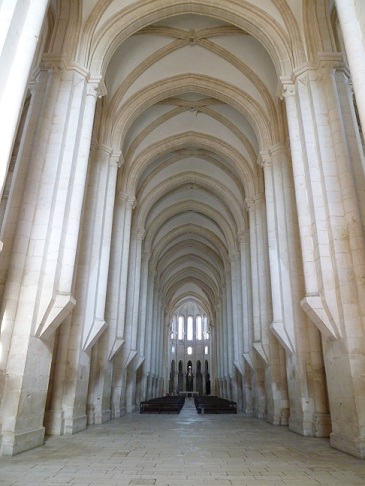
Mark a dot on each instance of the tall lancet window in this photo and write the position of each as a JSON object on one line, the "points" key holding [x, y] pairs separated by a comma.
{"points": [[181, 328], [199, 334], [206, 328], [190, 328]]}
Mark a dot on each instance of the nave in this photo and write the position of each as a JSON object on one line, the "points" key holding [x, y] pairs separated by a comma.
{"points": [[182, 209], [185, 449]]}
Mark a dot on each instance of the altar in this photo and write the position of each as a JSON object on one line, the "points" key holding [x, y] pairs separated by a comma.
{"points": [[187, 393]]}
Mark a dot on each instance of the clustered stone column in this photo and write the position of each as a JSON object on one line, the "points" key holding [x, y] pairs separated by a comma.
{"points": [[290, 325], [353, 36], [130, 346], [331, 236], [21, 23], [41, 270]]}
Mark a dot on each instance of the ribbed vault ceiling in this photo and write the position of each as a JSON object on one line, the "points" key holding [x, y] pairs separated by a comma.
{"points": [[190, 100]]}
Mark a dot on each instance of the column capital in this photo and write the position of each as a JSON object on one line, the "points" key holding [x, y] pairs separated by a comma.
{"points": [[114, 160], [103, 148], [152, 274], [286, 88], [121, 158], [234, 257], [280, 147], [94, 145], [32, 85], [127, 199], [249, 204], [258, 197], [330, 61], [141, 233], [264, 160], [53, 67], [59, 64], [242, 237], [96, 87], [227, 267], [312, 70]]}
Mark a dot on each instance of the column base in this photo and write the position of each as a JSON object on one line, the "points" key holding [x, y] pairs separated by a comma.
{"points": [[16, 443], [75, 424], [350, 445], [277, 408], [90, 412], [301, 427], [118, 412], [105, 416], [279, 418], [96, 416], [322, 425], [54, 422]]}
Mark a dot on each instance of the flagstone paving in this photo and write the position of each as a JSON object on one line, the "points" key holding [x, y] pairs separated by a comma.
{"points": [[183, 450]]}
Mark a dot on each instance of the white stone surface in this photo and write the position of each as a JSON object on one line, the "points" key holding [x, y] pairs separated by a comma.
{"points": [[182, 159]]}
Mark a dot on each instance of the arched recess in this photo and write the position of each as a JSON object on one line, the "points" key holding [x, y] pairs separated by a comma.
{"points": [[317, 28], [64, 34]]}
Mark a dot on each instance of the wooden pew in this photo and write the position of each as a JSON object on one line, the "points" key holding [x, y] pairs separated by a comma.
{"points": [[165, 404], [212, 404]]}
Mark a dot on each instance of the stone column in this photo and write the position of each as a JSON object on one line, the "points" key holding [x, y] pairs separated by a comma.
{"points": [[137, 287], [122, 235], [115, 337], [245, 266], [160, 349], [254, 325], [241, 288], [310, 354], [276, 394], [261, 335], [247, 318], [154, 333], [279, 257], [236, 308], [290, 323], [236, 337], [332, 240], [41, 272], [218, 328], [118, 297], [88, 319], [353, 37], [159, 343], [21, 22], [99, 218], [132, 317], [225, 350], [149, 330], [94, 273], [142, 320]]}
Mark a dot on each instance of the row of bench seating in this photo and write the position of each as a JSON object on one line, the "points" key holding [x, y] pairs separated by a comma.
{"points": [[165, 404], [212, 404]]}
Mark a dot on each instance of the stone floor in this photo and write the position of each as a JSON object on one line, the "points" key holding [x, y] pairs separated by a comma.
{"points": [[183, 450]]}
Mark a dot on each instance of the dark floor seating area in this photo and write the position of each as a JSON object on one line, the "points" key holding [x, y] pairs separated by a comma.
{"points": [[212, 404], [167, 404]]}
